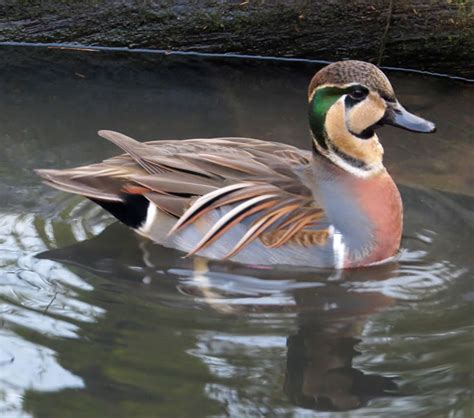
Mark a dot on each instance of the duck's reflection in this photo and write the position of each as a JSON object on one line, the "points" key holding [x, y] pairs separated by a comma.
{"points": [[320, 371]]}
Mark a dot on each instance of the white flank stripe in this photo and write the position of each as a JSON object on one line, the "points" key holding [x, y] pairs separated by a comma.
{"points": [[338, 247], [150, 218]]}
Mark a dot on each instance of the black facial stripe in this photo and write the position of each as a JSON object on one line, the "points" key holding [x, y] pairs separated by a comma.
{"points": [[355, 162], [365, 134], [350, 102]]}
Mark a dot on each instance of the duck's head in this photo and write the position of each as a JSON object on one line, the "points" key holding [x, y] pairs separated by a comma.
{"points": [[348, 100]]}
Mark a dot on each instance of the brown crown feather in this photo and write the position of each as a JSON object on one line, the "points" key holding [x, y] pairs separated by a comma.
{"points": [[352, 71]]}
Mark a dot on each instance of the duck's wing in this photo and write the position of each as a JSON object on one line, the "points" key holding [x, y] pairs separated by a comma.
{"points": [[257, 181]]}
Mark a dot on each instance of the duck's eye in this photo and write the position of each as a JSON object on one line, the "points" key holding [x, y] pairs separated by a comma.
{"points": [[358, 94]]}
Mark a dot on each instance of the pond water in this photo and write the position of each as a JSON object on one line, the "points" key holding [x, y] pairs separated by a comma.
{"points": [[98, 322]]}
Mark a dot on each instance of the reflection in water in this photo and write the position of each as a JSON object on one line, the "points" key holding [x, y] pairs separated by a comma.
{"points": [[105, 324], [136, 304], [28, 289], [326, 315], [320, 374], [319, 371]]}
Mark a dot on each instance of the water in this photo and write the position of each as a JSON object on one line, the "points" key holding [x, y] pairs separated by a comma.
{"points": [[97, 322]]}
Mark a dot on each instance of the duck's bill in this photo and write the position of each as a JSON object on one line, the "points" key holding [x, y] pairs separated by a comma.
{"points": [[397, 115]]}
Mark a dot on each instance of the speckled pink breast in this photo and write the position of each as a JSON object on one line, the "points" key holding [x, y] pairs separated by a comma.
{"points": [[380, 200]]}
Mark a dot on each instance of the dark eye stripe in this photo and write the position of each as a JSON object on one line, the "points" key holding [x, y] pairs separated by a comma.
{"points": [[355, 94], [357, 88], [350, 101]]}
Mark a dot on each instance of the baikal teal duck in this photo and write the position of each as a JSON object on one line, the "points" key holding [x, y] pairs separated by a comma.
{"points": [[266, 203]]}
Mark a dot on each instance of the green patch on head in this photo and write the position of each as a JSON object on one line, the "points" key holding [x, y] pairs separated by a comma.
{"points": [[322, 100]]}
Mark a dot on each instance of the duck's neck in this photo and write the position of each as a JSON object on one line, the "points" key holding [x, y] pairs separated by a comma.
{"points": [[367, 212]]}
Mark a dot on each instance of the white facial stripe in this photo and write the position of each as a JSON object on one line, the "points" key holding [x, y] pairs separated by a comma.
{"points": [[151, 214]]}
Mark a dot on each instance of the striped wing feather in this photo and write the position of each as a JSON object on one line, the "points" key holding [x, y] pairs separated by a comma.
{"points": [[187, 179]]}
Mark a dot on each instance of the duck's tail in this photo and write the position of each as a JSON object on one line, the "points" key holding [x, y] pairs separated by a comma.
{"points": [[104, 184], [131, 209], [82, 181]]}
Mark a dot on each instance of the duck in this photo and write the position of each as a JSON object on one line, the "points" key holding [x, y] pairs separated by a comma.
{"points": [[266, 203]]}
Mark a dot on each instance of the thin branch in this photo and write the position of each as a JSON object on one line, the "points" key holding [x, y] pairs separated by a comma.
{"points": [[384, 36]]}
